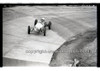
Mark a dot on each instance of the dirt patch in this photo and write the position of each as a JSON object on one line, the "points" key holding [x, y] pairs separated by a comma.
{"points": [[82, 47]]}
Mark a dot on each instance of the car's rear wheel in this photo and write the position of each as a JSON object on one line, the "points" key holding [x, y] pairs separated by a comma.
{"points": [[35, 22], [28, 29], [49, 25]]}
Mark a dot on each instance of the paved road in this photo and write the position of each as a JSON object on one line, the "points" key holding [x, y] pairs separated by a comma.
{"points": [[23, 47]]}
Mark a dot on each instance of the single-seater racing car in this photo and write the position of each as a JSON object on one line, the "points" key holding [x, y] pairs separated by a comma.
{"points": [[40, 26]]}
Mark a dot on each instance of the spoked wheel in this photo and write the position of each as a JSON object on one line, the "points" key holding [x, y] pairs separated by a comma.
{"points": [[44, 31], [35, 22], [28, 29], [49, 25]]}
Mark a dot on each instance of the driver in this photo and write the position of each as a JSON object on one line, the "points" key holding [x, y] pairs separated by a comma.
{"points": [[40, 24], [42, 21]]}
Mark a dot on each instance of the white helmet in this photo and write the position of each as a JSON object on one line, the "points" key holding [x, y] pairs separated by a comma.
{"points": [[43, 19]]}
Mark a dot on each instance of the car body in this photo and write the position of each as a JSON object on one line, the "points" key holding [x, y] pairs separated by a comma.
{"points": [[39, 27]]}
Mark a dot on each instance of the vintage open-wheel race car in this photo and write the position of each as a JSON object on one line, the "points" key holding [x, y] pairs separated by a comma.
{"points": [[39, 27]]}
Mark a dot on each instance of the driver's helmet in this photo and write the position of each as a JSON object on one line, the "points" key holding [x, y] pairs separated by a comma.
{"points": [[42, 19]]}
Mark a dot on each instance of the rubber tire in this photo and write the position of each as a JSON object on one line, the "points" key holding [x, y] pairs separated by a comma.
{"points": [[49, 25], [28, 29], [44, 31], [35, 22]]}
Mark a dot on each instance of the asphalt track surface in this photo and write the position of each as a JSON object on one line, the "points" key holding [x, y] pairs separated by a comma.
{"points": [[66, 22]]}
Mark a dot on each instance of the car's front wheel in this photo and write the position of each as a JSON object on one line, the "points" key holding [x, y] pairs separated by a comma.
{"points": [[44, 31], [28, 29]]}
